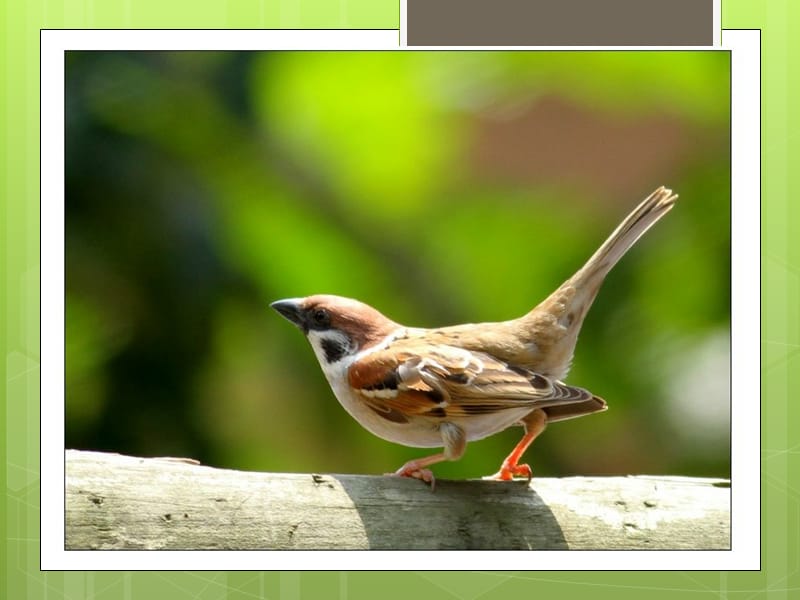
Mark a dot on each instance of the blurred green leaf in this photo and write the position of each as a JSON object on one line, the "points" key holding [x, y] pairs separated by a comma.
{"points": [[364, 118]]}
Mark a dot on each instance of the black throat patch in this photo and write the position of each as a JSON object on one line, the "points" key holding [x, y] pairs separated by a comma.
{"points": [[334, 350]]}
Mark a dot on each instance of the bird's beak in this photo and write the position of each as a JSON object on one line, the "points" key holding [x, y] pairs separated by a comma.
{"points": [[290, 309]]}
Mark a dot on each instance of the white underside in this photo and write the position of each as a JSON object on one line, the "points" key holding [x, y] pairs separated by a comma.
{"points": [[422, 432]]}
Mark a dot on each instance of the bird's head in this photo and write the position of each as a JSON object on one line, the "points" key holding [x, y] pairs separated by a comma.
{"points": [[336, 327]]}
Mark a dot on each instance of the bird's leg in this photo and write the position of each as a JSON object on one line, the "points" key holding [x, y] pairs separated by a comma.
{"points": [[417, 468], [534, 423], [454, 440]]}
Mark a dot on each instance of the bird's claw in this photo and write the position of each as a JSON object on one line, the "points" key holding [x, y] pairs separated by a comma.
{"points": [[509, 472], [425, 475]]}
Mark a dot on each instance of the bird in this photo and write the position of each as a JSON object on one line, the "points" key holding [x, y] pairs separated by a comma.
{"points": [[447, 386]]}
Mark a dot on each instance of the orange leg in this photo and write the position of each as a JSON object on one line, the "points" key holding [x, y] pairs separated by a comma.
{"points": [[417, 468], [534, 424]]}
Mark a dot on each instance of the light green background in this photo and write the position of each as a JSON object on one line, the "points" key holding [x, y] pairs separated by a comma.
{"points": [[780, 344]]}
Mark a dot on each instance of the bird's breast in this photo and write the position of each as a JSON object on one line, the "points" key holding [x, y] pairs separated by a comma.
{"points": [[416, 433]]}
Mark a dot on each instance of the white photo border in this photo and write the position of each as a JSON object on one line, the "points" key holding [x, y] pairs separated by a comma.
{"points": [[745, 552]]}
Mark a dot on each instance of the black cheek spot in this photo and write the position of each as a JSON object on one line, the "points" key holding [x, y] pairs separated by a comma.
{"points": [[333, 350]]}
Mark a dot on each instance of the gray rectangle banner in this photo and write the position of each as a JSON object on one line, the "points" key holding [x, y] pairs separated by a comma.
{"points": [[560, 22]]}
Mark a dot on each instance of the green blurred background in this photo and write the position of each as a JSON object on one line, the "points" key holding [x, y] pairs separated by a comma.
{"points": [[440, 187]]}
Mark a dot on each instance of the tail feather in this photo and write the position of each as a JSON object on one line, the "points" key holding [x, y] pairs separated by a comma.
{"points": [[563, 412], [568, 305], [644, 216]]}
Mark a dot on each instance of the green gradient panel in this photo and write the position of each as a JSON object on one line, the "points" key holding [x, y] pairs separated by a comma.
{"points": [[184, 14], [20, 256], [780, 264]]}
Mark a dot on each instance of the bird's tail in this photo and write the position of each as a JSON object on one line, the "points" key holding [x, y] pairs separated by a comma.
{"points": [[569, 304], [644, 216]]}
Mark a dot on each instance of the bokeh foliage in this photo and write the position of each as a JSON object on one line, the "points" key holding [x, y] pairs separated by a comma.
{"points": [[201, 186]]}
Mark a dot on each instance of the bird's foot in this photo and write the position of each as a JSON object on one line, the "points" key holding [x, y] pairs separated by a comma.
{"points": [[411, 469], [508, 472]]}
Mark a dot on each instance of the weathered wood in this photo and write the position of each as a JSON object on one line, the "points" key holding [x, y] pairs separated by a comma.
{"points": [[115, 501]]}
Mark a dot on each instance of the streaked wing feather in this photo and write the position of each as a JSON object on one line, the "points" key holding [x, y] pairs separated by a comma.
{"points": [[446, 382]]}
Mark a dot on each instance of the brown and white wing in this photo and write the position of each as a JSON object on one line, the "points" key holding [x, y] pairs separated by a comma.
{"points": [[410, 379]]}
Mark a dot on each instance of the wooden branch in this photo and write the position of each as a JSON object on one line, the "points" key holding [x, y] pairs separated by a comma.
{"points": [[115, 501]]}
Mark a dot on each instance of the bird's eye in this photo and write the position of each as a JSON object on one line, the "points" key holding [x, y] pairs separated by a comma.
{"points": [[320, 317]]}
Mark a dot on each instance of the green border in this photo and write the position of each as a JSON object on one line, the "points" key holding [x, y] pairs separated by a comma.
{"points": [[780, 344]]}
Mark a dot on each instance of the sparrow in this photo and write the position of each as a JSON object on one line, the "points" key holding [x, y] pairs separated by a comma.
{"points": [[447, 386]]}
